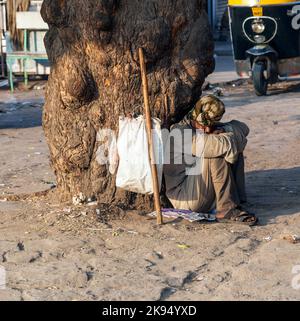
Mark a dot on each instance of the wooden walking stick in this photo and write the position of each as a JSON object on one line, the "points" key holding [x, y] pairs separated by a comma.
{"points": [[150, 138]]}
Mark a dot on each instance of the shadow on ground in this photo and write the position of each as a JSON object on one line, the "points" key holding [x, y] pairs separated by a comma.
{"points": [[274, 193], [243, 95], [24, 118]]}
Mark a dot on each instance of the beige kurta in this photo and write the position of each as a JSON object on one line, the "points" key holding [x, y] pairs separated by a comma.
{"points": [[189, 185]]}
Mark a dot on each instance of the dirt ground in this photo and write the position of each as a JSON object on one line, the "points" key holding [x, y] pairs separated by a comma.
{"points": [[61, 252]]}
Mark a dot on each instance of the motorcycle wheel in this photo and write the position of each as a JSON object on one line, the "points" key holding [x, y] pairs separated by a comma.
{"points": [[259, 81]]}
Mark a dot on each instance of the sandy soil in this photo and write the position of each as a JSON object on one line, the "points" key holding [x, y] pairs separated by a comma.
{"points": [[60, 252]]}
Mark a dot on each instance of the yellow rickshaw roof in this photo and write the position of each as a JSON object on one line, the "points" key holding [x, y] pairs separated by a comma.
{"points": [[252, 3]]}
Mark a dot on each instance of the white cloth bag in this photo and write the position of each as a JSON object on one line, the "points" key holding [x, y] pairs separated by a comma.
{"points": [[134, 172]]}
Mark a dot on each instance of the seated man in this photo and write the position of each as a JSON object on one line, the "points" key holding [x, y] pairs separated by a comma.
{"points": [[205, 169]]}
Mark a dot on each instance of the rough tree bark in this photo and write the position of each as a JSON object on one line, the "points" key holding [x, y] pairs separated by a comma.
{"points": [[95, 77]]}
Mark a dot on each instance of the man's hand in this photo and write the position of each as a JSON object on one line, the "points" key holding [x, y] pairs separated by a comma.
{"points": [[208, 130], [218, 131]]}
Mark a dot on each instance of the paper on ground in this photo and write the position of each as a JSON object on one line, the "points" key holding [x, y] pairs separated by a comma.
{"points": [[185, 214]]}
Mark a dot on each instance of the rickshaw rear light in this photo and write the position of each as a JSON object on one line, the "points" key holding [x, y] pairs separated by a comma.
{"points": [[260, 30], [258, 26], [259, 39]]}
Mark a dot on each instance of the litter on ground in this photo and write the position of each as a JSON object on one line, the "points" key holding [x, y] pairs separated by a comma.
{"points": [[186, 215]]}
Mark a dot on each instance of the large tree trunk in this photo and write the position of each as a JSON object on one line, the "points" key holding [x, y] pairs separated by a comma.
{"points": [[95, 77]]}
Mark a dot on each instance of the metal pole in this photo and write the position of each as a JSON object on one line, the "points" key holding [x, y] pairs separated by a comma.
{"points": [[2, 58], [1, 44], [214, 14]]}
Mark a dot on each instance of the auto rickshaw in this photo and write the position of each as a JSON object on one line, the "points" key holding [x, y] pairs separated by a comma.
{"points": [[266, 40]]}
